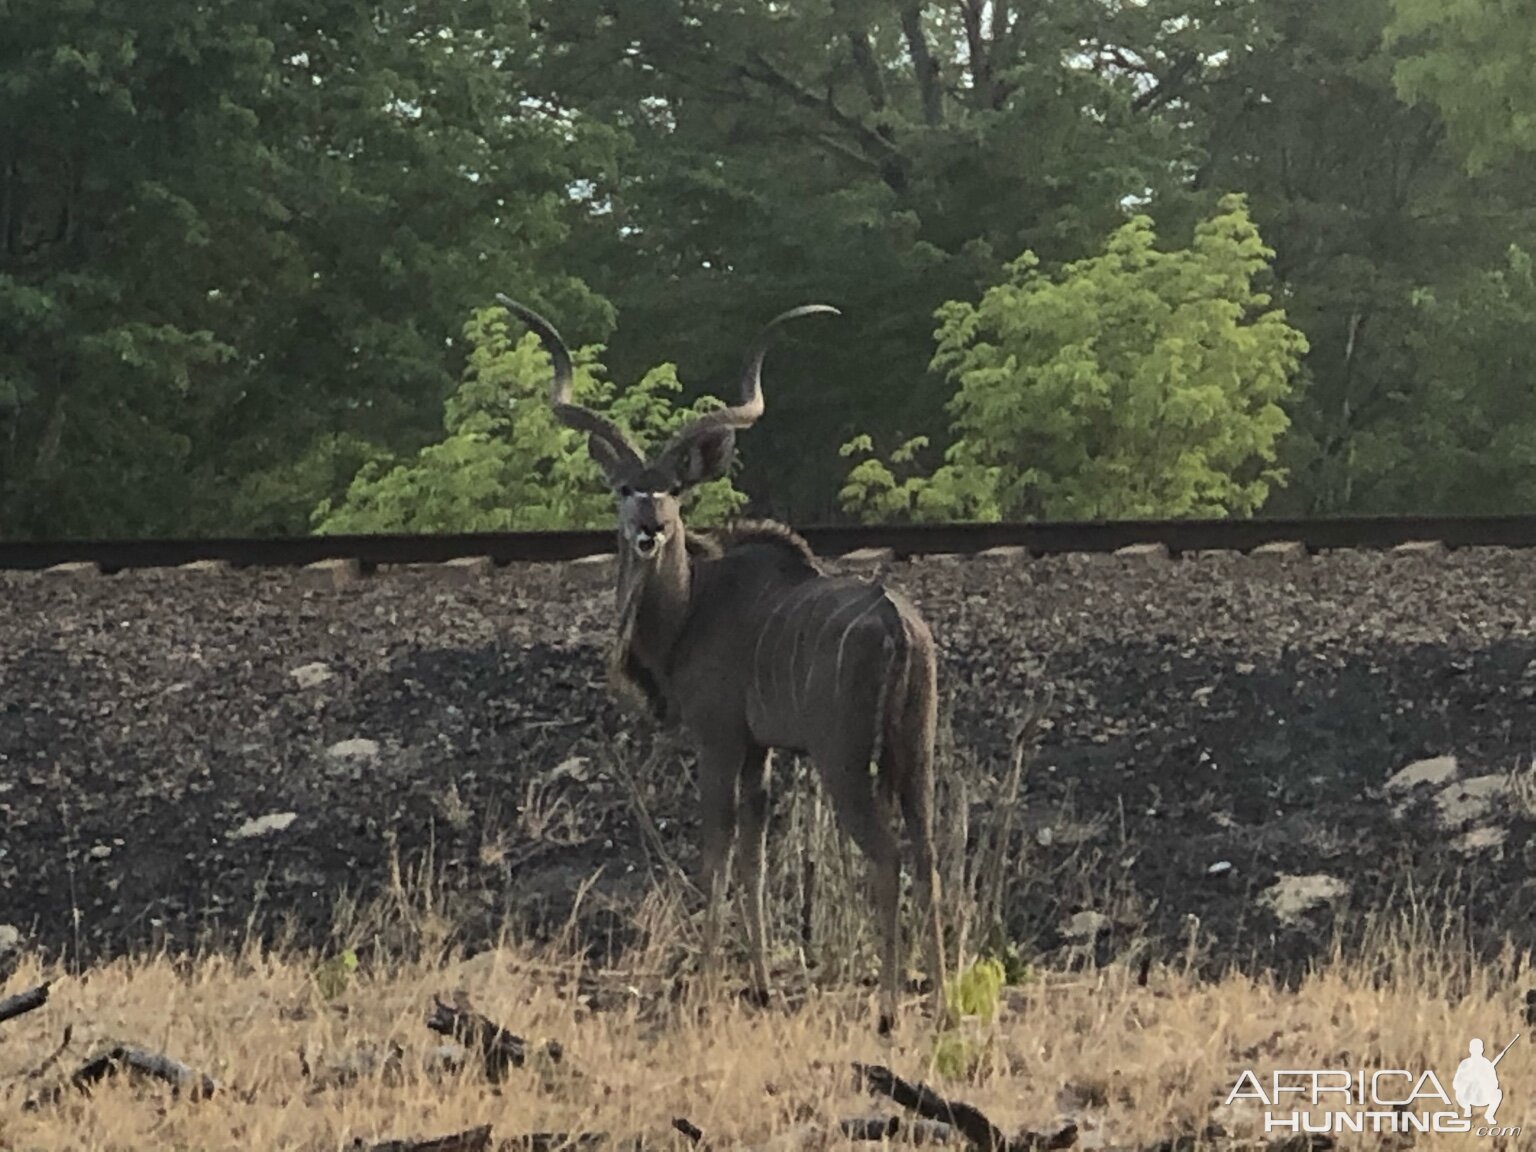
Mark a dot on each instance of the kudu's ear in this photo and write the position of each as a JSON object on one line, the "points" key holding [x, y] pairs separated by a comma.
{"points": [[704, 456], [608, 459]]}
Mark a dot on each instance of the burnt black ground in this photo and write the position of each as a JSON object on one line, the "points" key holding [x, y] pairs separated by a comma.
{"points": [[1214, 709]]}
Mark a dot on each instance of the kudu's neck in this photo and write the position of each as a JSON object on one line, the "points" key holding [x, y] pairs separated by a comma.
{"points": [[653, 600]]}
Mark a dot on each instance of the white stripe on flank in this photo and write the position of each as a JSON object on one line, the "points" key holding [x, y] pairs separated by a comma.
{"points": [[815, 660], [757, 649], [837, 670]]}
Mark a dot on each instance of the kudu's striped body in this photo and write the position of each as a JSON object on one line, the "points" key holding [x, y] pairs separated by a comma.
{"points": [[741, 639]]}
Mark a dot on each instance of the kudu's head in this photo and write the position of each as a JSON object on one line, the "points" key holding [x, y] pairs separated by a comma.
{"points": [[649, 492]]}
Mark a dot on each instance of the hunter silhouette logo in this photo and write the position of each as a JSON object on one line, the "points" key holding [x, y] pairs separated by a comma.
{"points": [[1339, 1100], [1476, 1083]]}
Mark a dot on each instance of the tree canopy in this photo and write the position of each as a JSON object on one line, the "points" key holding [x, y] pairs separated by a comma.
{"points": [[248, 256]]}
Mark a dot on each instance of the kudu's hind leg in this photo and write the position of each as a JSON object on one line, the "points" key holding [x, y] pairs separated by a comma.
{"points": [[915, 790], [864, 813]]}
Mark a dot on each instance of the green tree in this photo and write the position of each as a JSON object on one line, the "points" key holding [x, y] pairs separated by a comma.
{"points": [[1471, 60], [1462, 437], [237, 241], [1367, 207], [506, 464], [1137, 383]]}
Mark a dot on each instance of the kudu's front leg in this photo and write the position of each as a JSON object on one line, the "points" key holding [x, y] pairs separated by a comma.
{"points": [[719, 769], [753, 811]]}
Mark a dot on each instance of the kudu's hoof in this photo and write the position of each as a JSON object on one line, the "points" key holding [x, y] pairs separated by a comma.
{"points": [[887, 1024], [757, 997]]}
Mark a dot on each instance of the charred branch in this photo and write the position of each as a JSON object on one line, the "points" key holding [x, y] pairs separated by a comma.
{"points": [[23, 1002], [498, 1048], [689, 1129], [972, 1124], [138, 1062]]}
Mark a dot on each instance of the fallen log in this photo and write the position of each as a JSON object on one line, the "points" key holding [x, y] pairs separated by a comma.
{"points": [[470, 1140], [151, 1064], [971, 1123], [23, 1002], [498, 1048]]}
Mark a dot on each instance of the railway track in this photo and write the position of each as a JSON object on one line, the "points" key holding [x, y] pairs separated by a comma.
{"points": [[902, 541]]}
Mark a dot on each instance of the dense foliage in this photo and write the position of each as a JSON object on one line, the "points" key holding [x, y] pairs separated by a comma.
{"points": [[506, 464], [248, 256], [1141, 384]]}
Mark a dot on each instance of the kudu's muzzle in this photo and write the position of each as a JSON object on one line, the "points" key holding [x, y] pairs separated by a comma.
{"points": [[648, 541]]}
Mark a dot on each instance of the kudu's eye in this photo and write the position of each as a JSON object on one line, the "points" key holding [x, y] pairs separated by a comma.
{"points": [[625, 490], [676, 490]]}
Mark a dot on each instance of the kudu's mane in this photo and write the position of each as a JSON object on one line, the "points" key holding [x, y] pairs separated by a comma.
{"points": [[770, 532]]}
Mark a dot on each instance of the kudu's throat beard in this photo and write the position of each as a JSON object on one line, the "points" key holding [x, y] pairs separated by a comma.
{"points": [[655, 582], [657, 587]]}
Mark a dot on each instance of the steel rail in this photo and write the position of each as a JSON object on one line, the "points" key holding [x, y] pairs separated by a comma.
{"points": [[904, 540]]}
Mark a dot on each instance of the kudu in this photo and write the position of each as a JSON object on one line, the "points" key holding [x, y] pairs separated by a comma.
{"points": [[745, 642]]}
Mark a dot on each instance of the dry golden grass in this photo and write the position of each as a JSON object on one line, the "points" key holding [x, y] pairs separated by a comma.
{"points": [[1131, 1063]]}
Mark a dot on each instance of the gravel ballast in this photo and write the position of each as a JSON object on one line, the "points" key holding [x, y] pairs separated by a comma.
{"points": [[1224, 758]]}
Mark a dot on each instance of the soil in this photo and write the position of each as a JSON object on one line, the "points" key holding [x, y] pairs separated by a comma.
{"points": [[1215, 777]]}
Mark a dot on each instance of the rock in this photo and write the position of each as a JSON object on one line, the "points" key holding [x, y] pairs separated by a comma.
{"points": [[1281, 551], [1151, 552], [1471, 799], [1480, 840], [264, 825], [1435, 770], [1290, 896], [867, 556], [1085, 925], [577, 769], [311, 675], [10, 939], [332, 574], [358, 748], [1016, 553]]}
